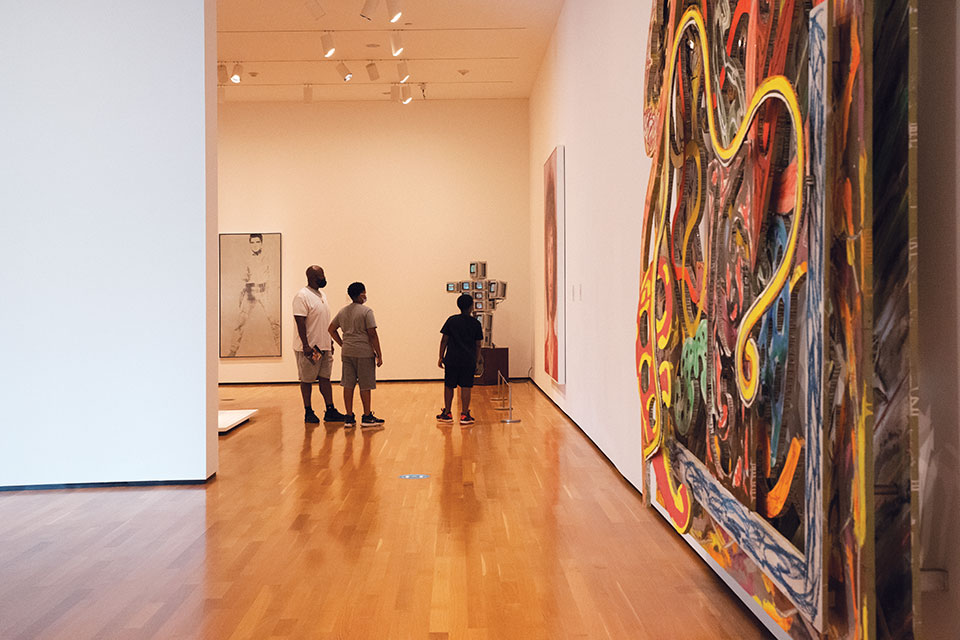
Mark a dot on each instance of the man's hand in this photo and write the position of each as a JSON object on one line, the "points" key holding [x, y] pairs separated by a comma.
{"points": [[440, 363], [379, 360]]}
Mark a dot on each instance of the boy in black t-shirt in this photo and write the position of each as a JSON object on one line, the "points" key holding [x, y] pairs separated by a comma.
{"points": [[459, 351]]}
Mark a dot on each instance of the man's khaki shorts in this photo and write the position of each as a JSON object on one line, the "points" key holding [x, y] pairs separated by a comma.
{"points": [[362, 370], [310, 371]]}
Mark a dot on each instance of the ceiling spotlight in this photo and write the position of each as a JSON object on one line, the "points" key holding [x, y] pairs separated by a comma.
{"points": [[395, 93], [393, 10], [344, 72], [326, 41], [307, 94], [237, 73], [403, 72], [405, 94], [372, 72], [369, 6], [396, 44], [222, 76], [316, 9]]}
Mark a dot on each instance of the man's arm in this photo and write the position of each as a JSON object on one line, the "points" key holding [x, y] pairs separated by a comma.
{"points": [[302, 332], [443, 350], [375, 343]]}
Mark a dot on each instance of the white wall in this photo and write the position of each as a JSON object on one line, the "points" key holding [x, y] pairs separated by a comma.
{"points": [[939, 200], [103, 197], [589, 97], [401, 198]]}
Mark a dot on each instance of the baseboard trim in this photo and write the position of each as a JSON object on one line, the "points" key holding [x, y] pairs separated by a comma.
{"points": [[106, 485]]}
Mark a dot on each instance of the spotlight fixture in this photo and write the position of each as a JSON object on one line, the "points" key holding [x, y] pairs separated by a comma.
{"points": [[316, 9], [372, 72], [237, 73], [406, 96], [344, 72], [396, 44], [326, 41], [403, 72], [393, 10], [395, 93], [222, 76], [307, 94], [369, 6]]}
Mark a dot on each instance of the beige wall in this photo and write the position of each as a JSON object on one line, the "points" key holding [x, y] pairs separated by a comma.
{"points": [[594, 108], [399, 197]]}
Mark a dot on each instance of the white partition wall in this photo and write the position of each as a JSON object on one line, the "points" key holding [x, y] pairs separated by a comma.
{"points": [[108, 209]]}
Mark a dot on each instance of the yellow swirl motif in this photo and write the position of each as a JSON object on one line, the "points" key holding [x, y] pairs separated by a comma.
{"points": [[772, 88]]}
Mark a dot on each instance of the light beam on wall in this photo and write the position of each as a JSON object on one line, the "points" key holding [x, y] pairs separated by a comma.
{"points": [[344, 72], [393, 10], [326, 41], [372, 72], [403, 71], [237, 74], [396, 43]]}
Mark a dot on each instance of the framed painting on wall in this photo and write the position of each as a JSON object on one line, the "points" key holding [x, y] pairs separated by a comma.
{"points": [[554, 347], [249, 295]]}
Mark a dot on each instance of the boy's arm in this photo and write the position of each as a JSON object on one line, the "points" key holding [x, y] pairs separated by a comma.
{"points": [[333, 330], [375, 343], [443, 350], [477, 356]]}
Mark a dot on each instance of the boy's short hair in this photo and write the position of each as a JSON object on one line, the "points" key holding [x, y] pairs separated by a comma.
{"points": [[465, 301], [355, 289]]}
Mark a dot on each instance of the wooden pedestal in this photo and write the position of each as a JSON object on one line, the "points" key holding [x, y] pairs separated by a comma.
{"points": [[495, 360]]}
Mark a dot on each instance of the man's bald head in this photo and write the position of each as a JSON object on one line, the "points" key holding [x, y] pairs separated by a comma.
{"points": [[315, 277]]}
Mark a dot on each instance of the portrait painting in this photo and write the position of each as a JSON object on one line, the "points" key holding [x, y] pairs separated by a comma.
{"points": [[554, 350], [250, 295]]}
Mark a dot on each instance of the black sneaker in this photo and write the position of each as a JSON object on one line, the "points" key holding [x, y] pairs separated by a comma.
{"points": [[332, 415], [370, 421], [349, 421], [466, 418], [310, 416], [445, 417]]}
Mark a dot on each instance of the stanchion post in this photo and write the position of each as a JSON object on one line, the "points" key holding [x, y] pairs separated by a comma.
{"points": [[510, 419]]}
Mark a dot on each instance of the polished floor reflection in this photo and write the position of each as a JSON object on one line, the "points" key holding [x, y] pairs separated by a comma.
{"points": [[520, 531]]}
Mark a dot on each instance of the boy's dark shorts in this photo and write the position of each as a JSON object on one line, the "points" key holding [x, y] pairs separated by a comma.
{"points": [[454, 376]]}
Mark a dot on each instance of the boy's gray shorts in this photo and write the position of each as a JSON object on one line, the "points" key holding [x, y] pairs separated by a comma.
{"points": [[362, 370]]}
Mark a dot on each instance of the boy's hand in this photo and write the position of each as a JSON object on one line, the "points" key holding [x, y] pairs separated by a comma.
{"points": [[440, 363]]}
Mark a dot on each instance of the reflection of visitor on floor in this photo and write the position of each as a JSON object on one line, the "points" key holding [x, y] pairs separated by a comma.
{"points": [[258, 283]]}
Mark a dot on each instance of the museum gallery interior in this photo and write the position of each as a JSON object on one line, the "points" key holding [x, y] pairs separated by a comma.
{"points": [[711, 246]]}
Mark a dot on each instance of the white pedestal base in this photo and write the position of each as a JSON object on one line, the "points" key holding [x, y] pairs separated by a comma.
{"points": [[229, 420]]}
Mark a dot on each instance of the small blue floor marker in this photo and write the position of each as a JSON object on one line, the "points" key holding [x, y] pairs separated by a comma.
{"points": [[414, 476]]}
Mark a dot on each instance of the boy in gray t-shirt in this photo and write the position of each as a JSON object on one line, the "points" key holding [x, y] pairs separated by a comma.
{"points": [[360, 354]]}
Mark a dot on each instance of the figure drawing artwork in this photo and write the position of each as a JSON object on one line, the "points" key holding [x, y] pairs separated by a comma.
{"points": [[554, 347], [250, 295]]}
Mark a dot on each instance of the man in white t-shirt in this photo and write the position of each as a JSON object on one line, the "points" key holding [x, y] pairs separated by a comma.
{"points": [[313, 345]]}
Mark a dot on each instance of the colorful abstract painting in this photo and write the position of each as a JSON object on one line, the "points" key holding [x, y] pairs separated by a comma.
{"points": [[755, 317]]}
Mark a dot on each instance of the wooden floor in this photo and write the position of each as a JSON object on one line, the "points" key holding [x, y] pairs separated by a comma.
{"points": [[521, 531]]}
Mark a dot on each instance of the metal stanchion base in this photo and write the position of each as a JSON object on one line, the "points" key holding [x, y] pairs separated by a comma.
{"points": [[510, 421]]}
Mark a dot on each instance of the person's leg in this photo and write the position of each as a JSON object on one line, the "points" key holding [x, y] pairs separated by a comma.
{"points": [[447, 398], [465, 393], [245, 307], [348, 399], [326, 390], [305, 391], [366, 400]]}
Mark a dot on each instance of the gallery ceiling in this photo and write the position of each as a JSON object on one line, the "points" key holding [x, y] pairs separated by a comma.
{"points": [[454, 49]]}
